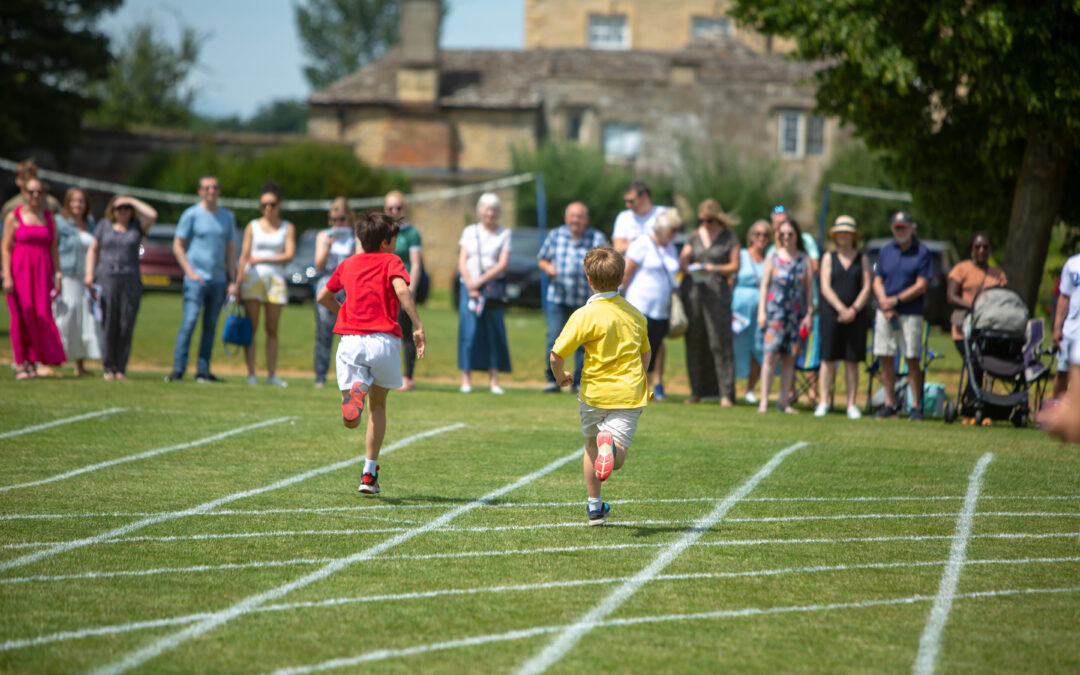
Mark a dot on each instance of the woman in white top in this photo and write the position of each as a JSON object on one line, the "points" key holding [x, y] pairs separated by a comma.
{"points": [[79, 330], [484, 253], [332, 246], [651, 264], [269, 243]]}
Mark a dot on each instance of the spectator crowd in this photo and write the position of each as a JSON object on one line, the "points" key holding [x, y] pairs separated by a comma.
{"points": [[769, 304]]}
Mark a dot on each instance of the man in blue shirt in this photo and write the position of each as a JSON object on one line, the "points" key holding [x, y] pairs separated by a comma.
{"points": [[205, 247], [562, 258], [903, 271]]}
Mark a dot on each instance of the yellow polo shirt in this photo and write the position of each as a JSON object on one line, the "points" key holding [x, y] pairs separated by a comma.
{"points": [[614, 336]]}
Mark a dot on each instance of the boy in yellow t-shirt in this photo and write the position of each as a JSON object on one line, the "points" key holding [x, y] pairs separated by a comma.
{"points": [[613, 390]]}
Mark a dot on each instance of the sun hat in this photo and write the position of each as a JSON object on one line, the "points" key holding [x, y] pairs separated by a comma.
{"points": [[710, 208], [844, 224]]}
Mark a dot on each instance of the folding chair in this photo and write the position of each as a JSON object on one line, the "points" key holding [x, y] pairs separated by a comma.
{"points": [[873, 369], [807, 361]]}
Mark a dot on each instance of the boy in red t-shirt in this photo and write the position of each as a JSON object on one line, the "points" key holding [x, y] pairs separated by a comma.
{"points": [[369, 353]]}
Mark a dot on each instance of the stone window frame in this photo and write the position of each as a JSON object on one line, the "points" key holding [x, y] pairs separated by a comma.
{"points": [[799, 133], [627, 130], [600, 27], [700, 31]]}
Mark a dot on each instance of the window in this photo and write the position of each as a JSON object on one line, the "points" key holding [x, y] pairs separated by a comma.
{"points": [[622, 141], [608, 32], [573, 125], [800, 134], [709, 27]]}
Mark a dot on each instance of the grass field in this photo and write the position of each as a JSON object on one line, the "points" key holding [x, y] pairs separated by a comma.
{"points": [[202, 528]]}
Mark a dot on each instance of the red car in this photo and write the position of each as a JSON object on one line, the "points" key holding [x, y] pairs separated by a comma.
{"points": [[157, 263]]}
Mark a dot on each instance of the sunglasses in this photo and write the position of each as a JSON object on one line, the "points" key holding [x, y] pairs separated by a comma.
{"points": [[710, 220], [759, 234], [34, 192], [210, 188], [395, 209], [264, 205], [338, 219]]}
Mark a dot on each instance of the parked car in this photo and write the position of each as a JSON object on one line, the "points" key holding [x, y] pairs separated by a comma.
{"points": [[300, 272], [936, 308], [157, 262], [522, 273]]}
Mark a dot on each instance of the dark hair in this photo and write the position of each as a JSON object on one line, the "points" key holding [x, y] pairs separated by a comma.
{"points": [[978, 234], [375, 227], [638, 188], [798, 232], [270, 188]]}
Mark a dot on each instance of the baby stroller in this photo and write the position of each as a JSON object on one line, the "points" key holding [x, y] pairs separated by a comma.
{"points": [[1001, 361]]}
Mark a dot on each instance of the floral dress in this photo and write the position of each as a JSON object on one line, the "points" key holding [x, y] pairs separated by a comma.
{"points": [[785, 305]]}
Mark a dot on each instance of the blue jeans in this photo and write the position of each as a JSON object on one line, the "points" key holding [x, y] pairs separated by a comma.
{"points": [[206, 298], [556, 315]]}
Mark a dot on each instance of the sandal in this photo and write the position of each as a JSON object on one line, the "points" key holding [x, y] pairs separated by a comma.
{"points": [[24, 374]]}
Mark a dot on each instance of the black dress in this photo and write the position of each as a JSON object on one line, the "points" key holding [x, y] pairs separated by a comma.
{"points": [[844, 341]]}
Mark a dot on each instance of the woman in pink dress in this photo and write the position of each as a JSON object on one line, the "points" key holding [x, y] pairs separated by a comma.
{"points": [[31, 265]]}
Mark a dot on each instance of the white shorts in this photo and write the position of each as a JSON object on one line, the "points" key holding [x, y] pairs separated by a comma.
{"points": [[372, 359], [905, 340], [621, 422], [1068, 350]]}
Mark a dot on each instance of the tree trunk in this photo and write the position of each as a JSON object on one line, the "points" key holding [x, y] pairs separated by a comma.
{"points": [[1036, 205]]}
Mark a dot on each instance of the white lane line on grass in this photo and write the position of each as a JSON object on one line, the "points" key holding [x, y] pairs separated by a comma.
{"points": [[521, 505], [144, 455], [211, 505], [55, 423], [384, 654], [571, 635], [451, 592], [156, 648], [930, 641]]}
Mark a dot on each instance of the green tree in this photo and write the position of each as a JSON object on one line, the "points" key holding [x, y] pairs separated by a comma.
{"points": [[977, 102], [745, 187], [147, 84], [281, 116], [340, 36], [49, 50], [573, 173]]}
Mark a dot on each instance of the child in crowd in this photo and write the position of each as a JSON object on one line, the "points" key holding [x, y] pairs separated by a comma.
{"points": [[369, 353], [613, 390]]}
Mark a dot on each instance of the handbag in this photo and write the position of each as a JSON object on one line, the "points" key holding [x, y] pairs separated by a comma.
{"points": [[494, 291], [677, 319], [237, 329]]}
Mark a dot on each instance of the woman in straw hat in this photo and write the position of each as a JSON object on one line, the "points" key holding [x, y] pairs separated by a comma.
{"points": [[846, 284], [710, 259]]}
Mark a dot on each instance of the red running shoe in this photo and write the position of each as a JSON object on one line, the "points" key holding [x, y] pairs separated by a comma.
{"points": [[605, 455], [353, 405]]}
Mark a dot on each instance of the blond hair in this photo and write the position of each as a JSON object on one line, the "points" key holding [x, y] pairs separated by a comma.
{"points": [[605, 267], [668, 220], [66, 208]]}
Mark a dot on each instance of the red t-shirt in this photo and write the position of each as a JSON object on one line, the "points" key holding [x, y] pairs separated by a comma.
{"points": [[371, 304]]}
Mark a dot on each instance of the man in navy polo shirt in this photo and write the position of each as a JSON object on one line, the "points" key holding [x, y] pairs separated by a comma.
{"points": [[903, 271]]}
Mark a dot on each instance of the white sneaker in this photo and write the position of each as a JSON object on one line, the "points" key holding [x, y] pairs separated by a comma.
{"points": [[853, 412], [750, 398], [497, 390], [252, 379], [465, 388], [821, 410], [276, 381]]}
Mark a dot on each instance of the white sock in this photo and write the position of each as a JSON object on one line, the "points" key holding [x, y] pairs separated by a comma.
{"points": [[370, 466], [595, 504]]}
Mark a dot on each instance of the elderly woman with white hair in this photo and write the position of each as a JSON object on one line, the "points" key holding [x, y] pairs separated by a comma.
{"points": [[648, 282], [484, 253]]}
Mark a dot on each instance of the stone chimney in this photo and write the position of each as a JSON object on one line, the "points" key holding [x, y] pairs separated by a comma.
{"points": [[418, 72]]}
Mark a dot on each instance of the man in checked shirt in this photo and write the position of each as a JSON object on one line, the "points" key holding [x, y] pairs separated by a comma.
{"points": [[562, 258]]}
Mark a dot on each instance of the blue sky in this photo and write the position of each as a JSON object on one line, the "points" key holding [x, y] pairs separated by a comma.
{"points": [[252, 55]]}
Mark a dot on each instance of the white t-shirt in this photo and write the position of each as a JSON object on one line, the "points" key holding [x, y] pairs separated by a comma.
{"points": [[629, 225], [650, 289], [483, 247], [1070, 288]]}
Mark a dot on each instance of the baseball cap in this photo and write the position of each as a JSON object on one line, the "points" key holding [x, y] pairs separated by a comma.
{"points": [[901, 217]]}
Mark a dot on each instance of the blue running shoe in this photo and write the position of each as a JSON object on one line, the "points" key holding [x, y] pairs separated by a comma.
{"points": [[658, 392], [599, 516]]}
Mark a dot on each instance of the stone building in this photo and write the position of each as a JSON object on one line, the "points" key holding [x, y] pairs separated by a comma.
{"points": [[450, 117]]}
